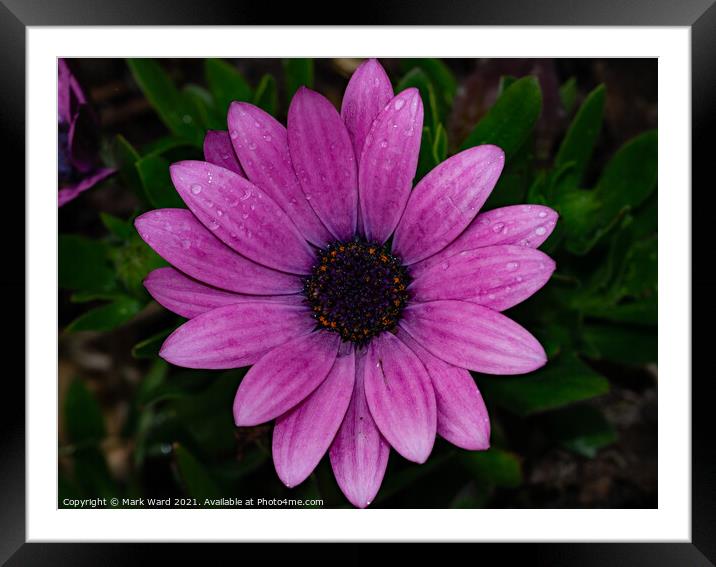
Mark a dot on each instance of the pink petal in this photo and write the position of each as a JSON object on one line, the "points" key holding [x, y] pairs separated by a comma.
{"points": [[388, 164], [284, 377], [235, 335], [400, 397], [359, 454], [243, 216], [474, 337], [70, 192], [261, 143], [523, 225], [462, 415], [184, 242], [366, 95], [189, 298], [323, 159], [302, 435], [498, 277], [219, 151], [446, 200]]}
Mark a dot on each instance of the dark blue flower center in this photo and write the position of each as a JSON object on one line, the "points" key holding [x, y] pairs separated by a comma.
{"points": [[357, 289]]}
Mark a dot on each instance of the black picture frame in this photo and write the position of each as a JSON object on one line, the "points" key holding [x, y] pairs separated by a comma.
{"points": [[17, 15]]}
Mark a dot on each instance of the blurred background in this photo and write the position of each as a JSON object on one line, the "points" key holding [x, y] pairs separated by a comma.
{"points": [[579, 136]]}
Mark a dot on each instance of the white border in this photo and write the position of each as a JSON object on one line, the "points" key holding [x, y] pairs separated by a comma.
{"points": [[671, 521]]}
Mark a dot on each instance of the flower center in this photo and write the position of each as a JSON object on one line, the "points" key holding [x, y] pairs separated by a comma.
{"points": [[357, 289]]}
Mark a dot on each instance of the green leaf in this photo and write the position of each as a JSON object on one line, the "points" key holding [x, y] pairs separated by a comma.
{"points": [[207, 417], [209, 116], [417, 78], [107, 317], [125, 156], [266, 95], [439, 74], [154, 173], [297, 73], [641, 312], [627, 181], [426, 157], [582, 429], [626, 345], [149, 348], [133, 260], [494, 466], [405, 478], [433, 150], [162, 145], [118, 227], [197, 480], [506, 82], [515, 180], [568, 94], [512, 118], [563, 381], [84, 264], [226, 84], [83, 415], [87, 296], [440, 145], [173, 107], [578, 143], [153, 380]]}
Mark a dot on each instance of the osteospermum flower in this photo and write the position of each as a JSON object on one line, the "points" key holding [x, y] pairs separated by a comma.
{"points": [[361, 303], [77, 139]]}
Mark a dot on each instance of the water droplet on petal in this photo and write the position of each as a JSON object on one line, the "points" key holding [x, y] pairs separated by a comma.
{"points": [[512, 266], [542, 214], [540, 230], [498, 227], [234, 134], [252, 146], [445, 265], [196, 189], [213, 225], [384, 144]]}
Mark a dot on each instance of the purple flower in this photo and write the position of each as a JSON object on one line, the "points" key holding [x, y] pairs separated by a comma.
{"points": [[77, 139], [360, 302]]}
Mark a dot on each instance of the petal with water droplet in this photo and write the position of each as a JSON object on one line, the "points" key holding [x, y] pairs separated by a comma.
{"points": [[322, 156], [267, 236], [366, 95], [263, 151], [498, 277], [445, 202], [388, 164], [219, 151], [178, 237], [505, 225]]}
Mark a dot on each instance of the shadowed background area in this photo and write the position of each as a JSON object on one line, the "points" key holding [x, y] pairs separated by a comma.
{"points": [[580, 137]]}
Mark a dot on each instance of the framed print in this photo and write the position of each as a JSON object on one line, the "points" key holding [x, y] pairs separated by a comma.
{"points": [[358, 281]]}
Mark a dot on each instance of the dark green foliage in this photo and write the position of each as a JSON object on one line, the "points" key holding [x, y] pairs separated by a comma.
{"points": [[597, 314]]}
